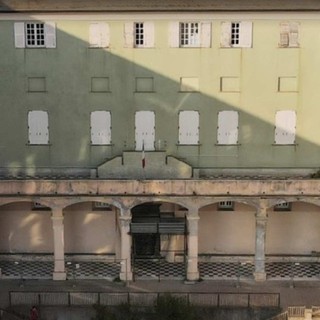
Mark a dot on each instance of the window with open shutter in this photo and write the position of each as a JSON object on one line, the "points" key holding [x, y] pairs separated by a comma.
{"points": [[189, 127], [236, 34], [228, 122], [139, 34], [285, 129], [100, 123], [99, 35], [145, 130], [38, 127]]}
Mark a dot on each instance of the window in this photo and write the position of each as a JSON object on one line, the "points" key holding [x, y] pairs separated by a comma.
{"points": [[139, 34], [227, 127], [289, 35], [190, 34], [96, 205], [38, 127], [39, 206], [99, 35], [189, 127], [226, 205], [100, 127], [285, 129], [236, 34], [283, 206], [35, 34]]}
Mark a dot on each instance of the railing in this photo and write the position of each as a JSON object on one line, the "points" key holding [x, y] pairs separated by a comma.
{"points": [[245, 300]]}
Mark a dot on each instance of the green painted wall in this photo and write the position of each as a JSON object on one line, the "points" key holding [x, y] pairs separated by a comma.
{"points": [[69, 67]]}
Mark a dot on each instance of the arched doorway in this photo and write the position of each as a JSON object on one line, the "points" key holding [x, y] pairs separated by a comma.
{"points": [[158, 240]]}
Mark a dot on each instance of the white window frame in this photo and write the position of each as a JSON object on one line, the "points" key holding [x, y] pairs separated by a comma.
{"points": [[145, 130], [236, 34], [228, 127], [145, 34], [203, 38], [99, 35], [189, 127], [285, 127], [226, 205], [21, 36], [190, 34], [289, 35], [38, 127], [100, 127]]}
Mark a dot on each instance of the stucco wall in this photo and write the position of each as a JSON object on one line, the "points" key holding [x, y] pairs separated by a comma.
{"points": [[25, 230], [89, 231], [227, 232], [294, 232]]}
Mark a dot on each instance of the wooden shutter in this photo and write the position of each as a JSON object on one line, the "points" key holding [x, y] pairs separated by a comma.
{"points": [[285, 130], [148, 29], [19, 35], [50, 34], [228, 127], [144, 130], [205, 29], [128, 35], [284, 34], [38, 127], [189, 127], [100, 122], [99, 35], [225, 36], [174, 34], [294, 34], [245, 34]]}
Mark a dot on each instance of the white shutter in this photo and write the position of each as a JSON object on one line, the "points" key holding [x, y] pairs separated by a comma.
{"points": [[104, 35], [285, 130], [50, 34], [148, 29], [174, 34], [128, 35], [38, 127], [245, 34], [284, 34], [99, 35], [228, 127], [94, 35], [100, 122], [144, 130], [19, 35], [189, 127], [294, 34], [225, 36], [205, 30]]}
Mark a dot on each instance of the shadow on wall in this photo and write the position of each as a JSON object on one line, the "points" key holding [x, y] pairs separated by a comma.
{"points": [[79, 80]]}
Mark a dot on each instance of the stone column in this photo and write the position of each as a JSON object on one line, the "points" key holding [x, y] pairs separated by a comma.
{"points": [[59, 272], [192, 242], [125, 250], [261, 226]]}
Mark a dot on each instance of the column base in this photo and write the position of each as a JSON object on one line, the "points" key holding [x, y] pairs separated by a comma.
{"points": [[59, 276], [126, 276], [193, 276], [260, 276]]}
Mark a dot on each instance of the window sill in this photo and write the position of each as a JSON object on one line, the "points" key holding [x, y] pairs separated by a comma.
{"points": [[145, 91], [102, 144], [284, 145], [227, 144], [188, 145], [39, 144]]}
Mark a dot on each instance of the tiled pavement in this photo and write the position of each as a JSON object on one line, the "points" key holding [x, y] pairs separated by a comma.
{"points": [[158, 270]]}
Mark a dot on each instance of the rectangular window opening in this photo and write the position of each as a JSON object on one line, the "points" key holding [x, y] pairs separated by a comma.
{"points": [[189, 34], [139, 39], [35, 36], [235, 33], [226, 205]]}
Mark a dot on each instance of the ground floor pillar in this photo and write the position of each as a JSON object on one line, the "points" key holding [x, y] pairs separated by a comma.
{"points": [[125, 249], [192, 246], [59, 272], [261, 226]]}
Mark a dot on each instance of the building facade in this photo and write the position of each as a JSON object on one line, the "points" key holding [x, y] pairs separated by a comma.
{"points": [[176, 131]]}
